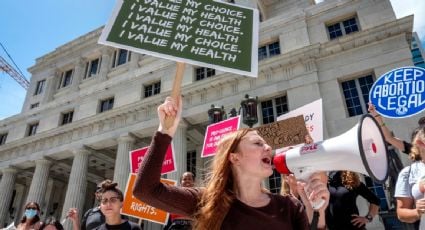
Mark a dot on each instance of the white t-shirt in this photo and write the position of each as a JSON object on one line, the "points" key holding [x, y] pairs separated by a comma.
{"points": [[407, 185]]}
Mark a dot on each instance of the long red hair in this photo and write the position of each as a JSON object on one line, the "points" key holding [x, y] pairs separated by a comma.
{"points": [[220, 190]]}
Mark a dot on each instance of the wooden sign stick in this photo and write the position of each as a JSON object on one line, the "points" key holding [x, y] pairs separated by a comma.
{"points": [[175, 91]]}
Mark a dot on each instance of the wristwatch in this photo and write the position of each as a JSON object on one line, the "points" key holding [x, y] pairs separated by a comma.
{"points": [[369, 217]]}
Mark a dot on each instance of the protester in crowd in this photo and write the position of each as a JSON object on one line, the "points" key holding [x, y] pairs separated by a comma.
{"points": [[177, 221], [51, 224], [233, 197], [31, 218], [411, 208], [409, 175], [342, 212], [111, 199], [93, 217], [402, 145]]}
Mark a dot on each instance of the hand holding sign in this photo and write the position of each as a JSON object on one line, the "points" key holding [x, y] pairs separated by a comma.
{"points": [[175, 93]]}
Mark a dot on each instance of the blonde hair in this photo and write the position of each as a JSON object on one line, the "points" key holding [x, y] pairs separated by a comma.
{"points": [[220, 190], [350, 180], [415, 152]]}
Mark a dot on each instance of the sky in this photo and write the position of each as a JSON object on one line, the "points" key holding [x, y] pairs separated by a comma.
{"points": [[31, 29]]}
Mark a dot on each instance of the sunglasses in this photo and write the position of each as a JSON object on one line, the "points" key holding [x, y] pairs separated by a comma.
{"points": [[111, 200], [33, 208]]}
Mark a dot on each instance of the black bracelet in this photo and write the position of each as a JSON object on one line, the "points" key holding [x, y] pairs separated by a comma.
{"points": [[315, 220]]}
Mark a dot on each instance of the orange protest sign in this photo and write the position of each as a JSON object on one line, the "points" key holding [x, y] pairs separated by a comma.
{"points": [[136, 208]]}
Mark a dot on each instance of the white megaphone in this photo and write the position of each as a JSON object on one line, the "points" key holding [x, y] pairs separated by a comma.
{"points": [[362, 149]]}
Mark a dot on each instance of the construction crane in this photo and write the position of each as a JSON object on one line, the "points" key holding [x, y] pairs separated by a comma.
{"points": [[9, 69]]}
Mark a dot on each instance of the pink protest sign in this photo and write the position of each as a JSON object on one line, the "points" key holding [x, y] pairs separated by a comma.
{"points": [[136, 159], [215, 132]]}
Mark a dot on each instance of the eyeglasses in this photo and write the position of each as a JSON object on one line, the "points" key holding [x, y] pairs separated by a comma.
{"points": [[33, 208], [112, 200]]}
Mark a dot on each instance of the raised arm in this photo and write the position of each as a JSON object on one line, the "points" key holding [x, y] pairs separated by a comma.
{"points": [[397, 143], [148, 187]]}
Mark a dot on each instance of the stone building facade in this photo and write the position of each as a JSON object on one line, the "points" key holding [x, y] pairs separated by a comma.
{"points": [[89, 104]]}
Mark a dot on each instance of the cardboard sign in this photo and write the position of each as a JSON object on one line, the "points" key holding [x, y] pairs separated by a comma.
{"points": [[207, 33], [136, 208], [288, 132], [136, 159], [215, 132], [313, 118], [400, 92]]}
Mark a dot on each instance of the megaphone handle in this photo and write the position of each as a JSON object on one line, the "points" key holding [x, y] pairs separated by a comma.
{"points": [[305, 175], [317, 204]]}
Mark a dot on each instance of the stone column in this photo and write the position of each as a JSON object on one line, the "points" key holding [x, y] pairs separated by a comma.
{"points": [[51, 85], [77, 184], [78, 73], [105, 64], [122, 162], [134, 62], [200, 170], [180, 151], [39, 182], [7, 185]]}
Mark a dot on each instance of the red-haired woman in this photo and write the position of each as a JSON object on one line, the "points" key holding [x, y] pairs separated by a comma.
{"points": [[233, 197]]}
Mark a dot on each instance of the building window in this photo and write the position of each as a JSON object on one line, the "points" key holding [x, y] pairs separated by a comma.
{"points": [[342, 28], [92, 68], [35, 105], [273, 108], [203, 72], [153, 89], [275, 182], [40, 87], [32, 129], [106, 105], [379, 191], [269, 50], [67, 117], [66, 78], [191, 162], [120, 57], [356, 94], [3, 138]]}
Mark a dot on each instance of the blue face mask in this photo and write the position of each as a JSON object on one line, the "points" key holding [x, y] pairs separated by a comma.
{"points": [[30, 213]]}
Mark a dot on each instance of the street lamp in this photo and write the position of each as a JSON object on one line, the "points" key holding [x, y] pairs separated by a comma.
{"points": [[216, 114], [249, 111]]}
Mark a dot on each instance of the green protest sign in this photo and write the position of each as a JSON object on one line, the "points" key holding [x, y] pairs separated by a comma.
{"points": [[207, 33]]}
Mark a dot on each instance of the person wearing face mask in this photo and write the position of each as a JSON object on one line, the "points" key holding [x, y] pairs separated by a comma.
{"points": [[31, 219]]}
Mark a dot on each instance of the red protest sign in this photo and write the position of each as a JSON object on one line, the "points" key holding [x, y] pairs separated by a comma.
{"points": [[136, 158], [215, 132]]}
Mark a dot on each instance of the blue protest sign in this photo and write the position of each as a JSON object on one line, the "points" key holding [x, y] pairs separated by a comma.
{"points": [[400, 92]]}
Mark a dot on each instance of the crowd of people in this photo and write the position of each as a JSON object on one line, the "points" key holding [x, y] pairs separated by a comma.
{"points": [[234, 196]]}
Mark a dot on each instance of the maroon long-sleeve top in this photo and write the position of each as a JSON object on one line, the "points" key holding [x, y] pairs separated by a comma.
{"points": [[283, 212]]}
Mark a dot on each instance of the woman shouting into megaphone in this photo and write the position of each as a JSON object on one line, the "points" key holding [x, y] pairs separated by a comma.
{"points": [[233, 197]]}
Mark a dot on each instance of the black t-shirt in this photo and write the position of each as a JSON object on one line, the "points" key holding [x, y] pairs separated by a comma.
{"points": [[127, 225], [342, 203]]}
